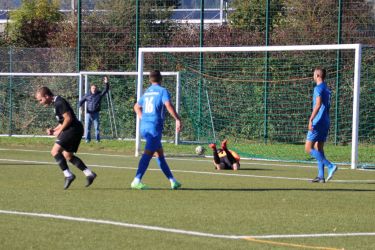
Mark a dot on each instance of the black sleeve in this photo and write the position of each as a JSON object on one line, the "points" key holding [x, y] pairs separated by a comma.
{"points": [[62, 107], [82, 101]]}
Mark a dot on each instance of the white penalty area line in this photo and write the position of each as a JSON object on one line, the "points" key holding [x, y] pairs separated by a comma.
{"points": [[198, 172], [45, 151], [179, 231], [207, 159]]}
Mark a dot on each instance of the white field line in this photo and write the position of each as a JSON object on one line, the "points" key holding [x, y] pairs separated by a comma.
{"points": [[262, 163], [179, 231], [199, 172]]}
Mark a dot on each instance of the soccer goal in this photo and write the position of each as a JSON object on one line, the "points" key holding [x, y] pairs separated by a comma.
{"points": [[117, 116], [21, 116], [260, 97]]}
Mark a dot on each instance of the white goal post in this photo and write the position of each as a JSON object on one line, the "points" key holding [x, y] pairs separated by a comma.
{"points": [[357, 71]]}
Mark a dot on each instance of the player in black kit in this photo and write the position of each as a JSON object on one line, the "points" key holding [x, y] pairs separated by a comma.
{"points": [[69, 132]]}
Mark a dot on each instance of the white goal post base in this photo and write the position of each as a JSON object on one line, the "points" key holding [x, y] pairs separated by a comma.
{"points": [[357, 71]]}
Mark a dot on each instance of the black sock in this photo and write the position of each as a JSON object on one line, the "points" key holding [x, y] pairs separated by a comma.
{"points": [[230, 156], [61, 161], [78, 163]]}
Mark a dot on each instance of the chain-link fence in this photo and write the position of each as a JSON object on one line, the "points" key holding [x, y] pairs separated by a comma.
{"points": [[105, 36]]}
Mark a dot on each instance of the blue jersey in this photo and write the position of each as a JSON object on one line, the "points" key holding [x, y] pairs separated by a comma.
{"points": [[153, 109], [321, 120]]}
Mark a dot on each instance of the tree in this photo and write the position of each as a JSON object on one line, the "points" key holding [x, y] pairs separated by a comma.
{"points": [[33, 22], [251, 14], [308, 22], [316, 22], [108, 32]]}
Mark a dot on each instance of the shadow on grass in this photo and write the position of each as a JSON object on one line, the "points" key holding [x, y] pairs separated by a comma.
{"points": [[237, 189], [19, 164], [279, 189], [252, 169]]}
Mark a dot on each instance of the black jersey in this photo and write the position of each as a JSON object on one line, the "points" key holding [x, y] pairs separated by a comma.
{"points": [[61, 107]]}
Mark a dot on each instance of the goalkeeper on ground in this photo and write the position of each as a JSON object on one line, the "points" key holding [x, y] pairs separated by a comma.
{"points": [[225, 158]]}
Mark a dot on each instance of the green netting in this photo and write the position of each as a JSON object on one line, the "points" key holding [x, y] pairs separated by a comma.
{"points": [[111, 31], [117, 117], [20, 112], [22, 115], [42, 60]]}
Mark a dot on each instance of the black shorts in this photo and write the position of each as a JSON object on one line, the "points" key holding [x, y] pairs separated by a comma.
{"points": [[225, 163], [70, 138]]}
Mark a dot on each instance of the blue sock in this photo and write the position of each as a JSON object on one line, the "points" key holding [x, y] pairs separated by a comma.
{"points": [[143, 165], [319, 156], [164, 167], [326, 162], [320, 169], [316, 154]]}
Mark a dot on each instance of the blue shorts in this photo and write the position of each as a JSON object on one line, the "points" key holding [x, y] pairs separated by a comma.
{"points": [[153, 139], [317, 135]]}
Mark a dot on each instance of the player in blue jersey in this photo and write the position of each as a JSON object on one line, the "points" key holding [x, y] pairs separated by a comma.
{"points": [[319, 123], [150, 108]]}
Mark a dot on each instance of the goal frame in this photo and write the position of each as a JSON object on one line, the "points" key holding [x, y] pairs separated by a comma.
{"points": [[84, 84], [356, 81]]}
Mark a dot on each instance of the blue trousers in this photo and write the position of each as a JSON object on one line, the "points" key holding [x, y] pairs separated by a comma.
{"points": [[92, 118]]}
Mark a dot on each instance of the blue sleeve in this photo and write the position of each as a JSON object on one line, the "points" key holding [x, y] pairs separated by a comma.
{"points": [[318, 91], [165, 96]]}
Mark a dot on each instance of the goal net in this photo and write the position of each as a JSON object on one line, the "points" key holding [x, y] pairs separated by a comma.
{"points": [[117, 117], [22, 116], [260, 98]]}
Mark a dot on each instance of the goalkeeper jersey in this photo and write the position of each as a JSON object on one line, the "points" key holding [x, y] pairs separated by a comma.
{"points": [[222, 153]]}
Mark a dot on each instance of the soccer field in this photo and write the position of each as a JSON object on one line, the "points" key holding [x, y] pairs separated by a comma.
{"points": [[265, 205]]}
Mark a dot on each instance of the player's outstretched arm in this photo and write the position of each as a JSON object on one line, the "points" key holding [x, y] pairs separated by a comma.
{"points": [[106, 84], [82, 101], [174, 114]]}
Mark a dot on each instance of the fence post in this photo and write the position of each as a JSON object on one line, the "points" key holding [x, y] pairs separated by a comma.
{"points": [[79, 31], [266, 69], [201, 67], [10, 87], [338, 69], [137, 9]]}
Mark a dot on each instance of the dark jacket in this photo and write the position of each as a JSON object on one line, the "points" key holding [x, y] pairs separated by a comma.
{"points": [[93, 100]]}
